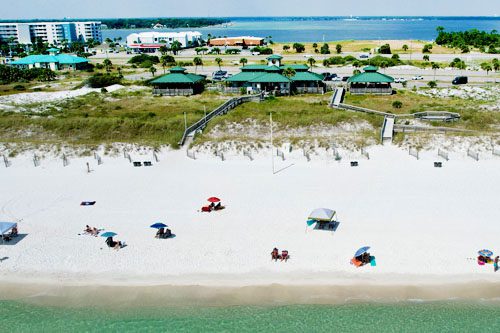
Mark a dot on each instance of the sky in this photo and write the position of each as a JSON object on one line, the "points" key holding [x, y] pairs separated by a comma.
{"points": [[30, 9]]}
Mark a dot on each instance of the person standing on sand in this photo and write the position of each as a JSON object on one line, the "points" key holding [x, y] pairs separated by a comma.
{"points": [[495, 264]]}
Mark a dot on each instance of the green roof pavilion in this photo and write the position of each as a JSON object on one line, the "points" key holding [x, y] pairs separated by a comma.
{"points": [[178, 82], [370, 82]]}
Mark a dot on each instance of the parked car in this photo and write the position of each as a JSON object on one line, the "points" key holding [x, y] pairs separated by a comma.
{"points": [[330, 77], [345, 78], [337, 79], [417, 77], [219, 75], [399, 80], [364, 56], [460, 80]]}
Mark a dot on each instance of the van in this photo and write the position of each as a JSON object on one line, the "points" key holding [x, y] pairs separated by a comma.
{"points": [[460, 80]]}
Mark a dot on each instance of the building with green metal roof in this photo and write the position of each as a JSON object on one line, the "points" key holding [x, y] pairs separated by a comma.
{"points": [[370, 82], [272, 78], [178, 83], [54, 61]]}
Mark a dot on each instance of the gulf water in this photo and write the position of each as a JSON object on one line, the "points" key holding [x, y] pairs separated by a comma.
{"points": [[318, 29], [400, 317]]}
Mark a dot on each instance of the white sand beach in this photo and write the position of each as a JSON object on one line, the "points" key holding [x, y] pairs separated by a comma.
{"points": [[424, 224]]}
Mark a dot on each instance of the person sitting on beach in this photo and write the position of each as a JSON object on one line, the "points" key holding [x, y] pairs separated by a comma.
{"points": [[365, 258], [160, 233], [88, 229], [14, 232], [495, 263], [168, 233], [94, 232], [275, 255], [218, 206], [284, 255], [212, 205]]}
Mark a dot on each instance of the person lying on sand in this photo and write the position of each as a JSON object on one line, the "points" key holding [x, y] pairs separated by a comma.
{"points": [[275, 255], [88, 229], [93, 231]]}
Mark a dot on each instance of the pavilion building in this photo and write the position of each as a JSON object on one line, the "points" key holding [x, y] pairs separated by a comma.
{"points": [[370, 82], [178, 83], [272, 78], [54, 61]]}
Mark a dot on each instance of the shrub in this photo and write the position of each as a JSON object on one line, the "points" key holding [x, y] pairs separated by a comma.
{"points": [[325, 49], [104, 90], [19, 87], [146, 64], [397, 104], [99, 66], [427, 48], [299, 48], [102, 80], [140, 58], [432, 84], [385, 49]]}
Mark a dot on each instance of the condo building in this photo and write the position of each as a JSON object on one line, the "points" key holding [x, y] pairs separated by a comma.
{"points": [[51, 32]]}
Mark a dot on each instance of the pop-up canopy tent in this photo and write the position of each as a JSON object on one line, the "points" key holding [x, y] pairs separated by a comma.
{"points": [[5, 227], [322, 215]]}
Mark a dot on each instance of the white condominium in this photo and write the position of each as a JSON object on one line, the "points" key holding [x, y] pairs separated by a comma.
{"points": [[51, 32], [152, 41]]}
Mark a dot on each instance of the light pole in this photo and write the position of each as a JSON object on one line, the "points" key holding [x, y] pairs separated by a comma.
{"points": [[272, 146]]}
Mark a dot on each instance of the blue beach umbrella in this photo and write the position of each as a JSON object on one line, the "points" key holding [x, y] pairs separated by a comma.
{"points": [[158, 225], [361, 251], [109, 234], [485, 253]]}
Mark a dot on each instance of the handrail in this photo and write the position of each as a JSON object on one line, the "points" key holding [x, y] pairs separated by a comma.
{"points": [[226, 106]]}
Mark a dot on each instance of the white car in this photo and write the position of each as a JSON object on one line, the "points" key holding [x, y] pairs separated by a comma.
{"points": [[399, 80], [336, 79], [417, 77]]}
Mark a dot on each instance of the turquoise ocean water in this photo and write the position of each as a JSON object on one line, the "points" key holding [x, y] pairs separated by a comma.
{"points": [[401, 317], [317, 29]]}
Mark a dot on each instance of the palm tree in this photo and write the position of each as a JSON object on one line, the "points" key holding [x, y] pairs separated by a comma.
{"points": [[219, 62], [289, 72], [108, 64], [176, 46], [435, 67], [486, 67], [119, 69], [197, 62], [496, 64], [152, 69], [405, 47], [243, 61], [426, 57], [286, 48], [311, 62]]}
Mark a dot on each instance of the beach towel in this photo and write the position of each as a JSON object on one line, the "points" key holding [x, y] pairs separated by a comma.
{"points": [[87, 203], [372, 261]]}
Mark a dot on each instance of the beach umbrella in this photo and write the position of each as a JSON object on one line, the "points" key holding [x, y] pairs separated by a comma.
{"points": [[108, 234], [322, 214], [158, 225], [310, 222], [361, 251], [213, 199], [485, 253]]}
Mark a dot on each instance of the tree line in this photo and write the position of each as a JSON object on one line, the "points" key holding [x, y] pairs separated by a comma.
{"points": [[484, 41], [9, 74], [170, 23]]}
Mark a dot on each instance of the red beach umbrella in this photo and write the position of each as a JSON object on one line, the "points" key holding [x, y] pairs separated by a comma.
{"points": [[213, 199]]}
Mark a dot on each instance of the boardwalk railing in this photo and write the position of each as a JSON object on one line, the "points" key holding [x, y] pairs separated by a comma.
{"points": [[222, 109], [365, 110], [279, 153], [173, 92], [413, 129]]}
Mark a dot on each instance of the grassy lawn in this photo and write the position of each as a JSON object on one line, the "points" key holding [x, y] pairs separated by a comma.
{"points": [[472, 117], [122, 116], [289, 113]]}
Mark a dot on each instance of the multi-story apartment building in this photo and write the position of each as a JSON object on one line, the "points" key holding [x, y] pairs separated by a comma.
{"points": [[51, 32]]}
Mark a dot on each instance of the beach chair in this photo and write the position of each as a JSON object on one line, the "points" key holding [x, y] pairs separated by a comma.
{"points": [[137, 164], [356, 262], [354, 163], [147, 163]]}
